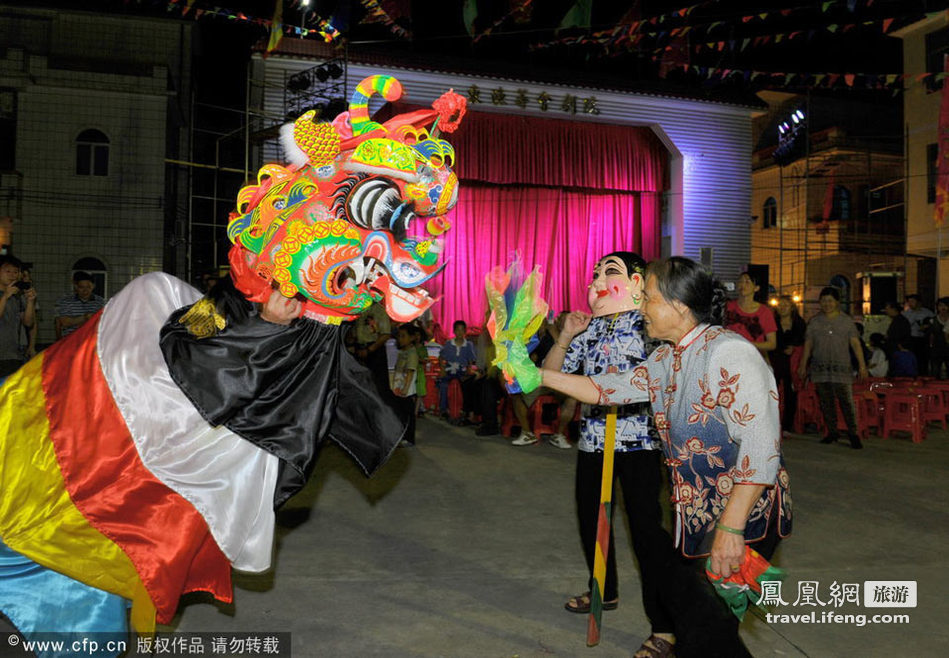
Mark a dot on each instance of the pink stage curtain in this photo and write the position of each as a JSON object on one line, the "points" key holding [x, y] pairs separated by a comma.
{"points": [[563, 231], [561, 194]]}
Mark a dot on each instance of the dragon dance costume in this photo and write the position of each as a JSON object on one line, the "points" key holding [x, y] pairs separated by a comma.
{"points": [[143, 456]]}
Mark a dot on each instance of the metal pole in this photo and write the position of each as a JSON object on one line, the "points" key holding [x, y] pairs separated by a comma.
{"points": [[781, 230], [905, 215]]}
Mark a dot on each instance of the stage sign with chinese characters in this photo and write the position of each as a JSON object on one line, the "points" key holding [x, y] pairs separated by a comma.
{"points": [[499, 96]]}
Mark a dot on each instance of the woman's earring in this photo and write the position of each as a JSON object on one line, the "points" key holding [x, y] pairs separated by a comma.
{"points": [[637, 298]]}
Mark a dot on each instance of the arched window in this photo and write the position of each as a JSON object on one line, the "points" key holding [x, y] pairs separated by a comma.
{"points": [[770, 212], [92, 153], [842, 207], [98, 270]]}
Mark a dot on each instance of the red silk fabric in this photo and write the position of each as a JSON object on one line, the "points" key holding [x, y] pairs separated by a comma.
{"points": [[510, 150], [165, 537], [564, 231], [559, 193]]}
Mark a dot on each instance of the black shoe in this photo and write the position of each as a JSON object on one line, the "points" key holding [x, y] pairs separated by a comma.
{"points": [[484, 430], [830, 438], [855, 443]]}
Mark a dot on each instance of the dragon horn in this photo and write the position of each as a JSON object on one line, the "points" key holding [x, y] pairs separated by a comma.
{"points": [[389, 87]]}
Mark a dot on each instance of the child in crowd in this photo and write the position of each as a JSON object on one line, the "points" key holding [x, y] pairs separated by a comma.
{"points": [[903, 362], [877, 365], [404, 377], [456, 356], [421, 387]]}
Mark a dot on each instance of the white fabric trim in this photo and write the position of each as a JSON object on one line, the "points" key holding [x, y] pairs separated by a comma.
{"points": [[230, 481]]}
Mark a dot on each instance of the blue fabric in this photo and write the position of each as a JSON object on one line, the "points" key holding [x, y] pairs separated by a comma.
{"points": [[39, 601], [612, 343]]}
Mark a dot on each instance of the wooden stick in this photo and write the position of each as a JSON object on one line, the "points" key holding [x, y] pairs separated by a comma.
{"points": [[602, 532]]}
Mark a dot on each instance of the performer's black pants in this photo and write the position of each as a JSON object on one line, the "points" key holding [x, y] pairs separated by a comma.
{"points": [[640, 475]]}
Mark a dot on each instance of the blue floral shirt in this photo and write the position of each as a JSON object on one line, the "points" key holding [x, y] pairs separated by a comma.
{"points": [[612, 344]]}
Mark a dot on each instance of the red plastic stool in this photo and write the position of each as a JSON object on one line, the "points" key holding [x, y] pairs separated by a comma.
{"points": [[508, 419], [538, 424], [860, 418], [808, 410], [430, 401], [903, 412], [934, 406], [455, 399], [871, 407]]}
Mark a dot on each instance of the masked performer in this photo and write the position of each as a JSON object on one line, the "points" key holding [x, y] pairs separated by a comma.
{"points": [[613, 341], [143, 456]]}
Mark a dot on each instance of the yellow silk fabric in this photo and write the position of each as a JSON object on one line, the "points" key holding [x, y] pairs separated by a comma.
{"points": [[37, 516]]}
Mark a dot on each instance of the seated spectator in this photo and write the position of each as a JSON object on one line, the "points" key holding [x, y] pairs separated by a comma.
{"points": [[456, 356], [903, 362], [878, 365], [73, 310]]}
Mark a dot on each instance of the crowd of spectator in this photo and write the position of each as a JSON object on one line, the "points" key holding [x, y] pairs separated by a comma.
{"points": [[830, 349]]}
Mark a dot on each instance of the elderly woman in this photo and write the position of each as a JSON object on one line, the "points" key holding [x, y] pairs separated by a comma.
{"points": [[716, 410]]}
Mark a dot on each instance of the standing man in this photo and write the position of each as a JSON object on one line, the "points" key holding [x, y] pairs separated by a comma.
{"points": [[920, 319], [17, 308], [829, 338], [898, 333], [73, 310]]}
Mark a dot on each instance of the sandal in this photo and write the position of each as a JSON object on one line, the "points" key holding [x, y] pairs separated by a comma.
{"points": [[655, 647], [580, 604]]}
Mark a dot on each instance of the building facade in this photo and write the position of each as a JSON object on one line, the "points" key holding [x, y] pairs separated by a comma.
{"points": [[92, 105], [832, 213], [925, 46], [707, 203]]}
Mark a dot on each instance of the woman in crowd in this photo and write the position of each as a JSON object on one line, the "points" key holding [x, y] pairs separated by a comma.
{"points": [[747, 317], [790, 341], [716, 411], [612, 341]]}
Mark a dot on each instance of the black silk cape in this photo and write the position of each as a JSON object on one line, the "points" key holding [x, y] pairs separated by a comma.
{"points": [[285, 389]]}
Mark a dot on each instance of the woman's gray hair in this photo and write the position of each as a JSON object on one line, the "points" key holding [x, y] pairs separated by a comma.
{"points": [[690, 283]]}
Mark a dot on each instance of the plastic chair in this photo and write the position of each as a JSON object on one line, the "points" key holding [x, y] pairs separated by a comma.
{"points": [[808, 410], [432, 373], [508, 419], [860, 418], [455, 400], [933, 405], [870, 407], [538, 422], [903, 412]]}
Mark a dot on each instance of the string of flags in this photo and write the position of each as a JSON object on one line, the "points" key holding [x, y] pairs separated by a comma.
{"points": [[322, 28], [813, 80], [629, 35]]}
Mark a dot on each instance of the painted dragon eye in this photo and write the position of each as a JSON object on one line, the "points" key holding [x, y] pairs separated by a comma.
{"points": [[280, 204]]}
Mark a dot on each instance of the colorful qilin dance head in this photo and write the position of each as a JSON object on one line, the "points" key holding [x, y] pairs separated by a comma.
{"points": [[358, 214]]}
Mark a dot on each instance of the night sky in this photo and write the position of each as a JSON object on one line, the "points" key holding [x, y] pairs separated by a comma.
{"points": [[528, 39]]}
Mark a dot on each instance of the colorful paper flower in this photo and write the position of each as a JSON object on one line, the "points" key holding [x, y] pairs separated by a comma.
{"points": [[451, 107]]}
